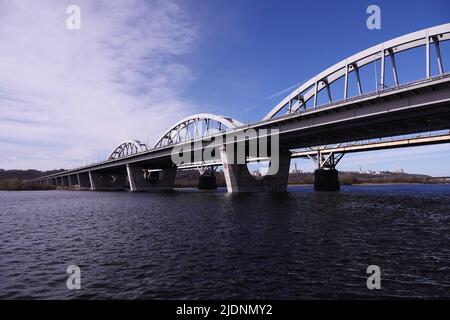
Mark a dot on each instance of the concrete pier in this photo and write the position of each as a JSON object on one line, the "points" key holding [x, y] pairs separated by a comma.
{"points": [[326, 180], [239, 179]]}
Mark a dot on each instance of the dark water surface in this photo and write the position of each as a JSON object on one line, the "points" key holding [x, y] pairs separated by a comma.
{"points": [[213, 245]]}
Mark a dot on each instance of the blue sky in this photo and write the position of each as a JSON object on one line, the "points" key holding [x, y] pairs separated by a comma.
{"points": [[136, 66], [252, 49]]}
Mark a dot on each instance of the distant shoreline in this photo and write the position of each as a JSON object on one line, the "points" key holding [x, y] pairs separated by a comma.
{"points": [[373, 184], [13, 180], [59, 188]]}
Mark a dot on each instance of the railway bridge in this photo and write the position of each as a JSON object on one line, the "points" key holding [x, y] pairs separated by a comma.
{"points": [[326, 117]]}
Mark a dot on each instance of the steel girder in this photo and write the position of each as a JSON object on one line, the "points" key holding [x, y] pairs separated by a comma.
{"points": [[310, 89], [196, 126], [127, 148]]}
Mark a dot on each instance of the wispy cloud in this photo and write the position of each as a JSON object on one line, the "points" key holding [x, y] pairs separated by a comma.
{"points": [[69, 95]]}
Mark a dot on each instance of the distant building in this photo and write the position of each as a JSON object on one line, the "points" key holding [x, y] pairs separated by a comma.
{"points": [[373, 173]]}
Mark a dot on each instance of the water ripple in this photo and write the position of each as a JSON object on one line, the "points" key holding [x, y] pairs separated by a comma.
{"points": [[193, 245]]}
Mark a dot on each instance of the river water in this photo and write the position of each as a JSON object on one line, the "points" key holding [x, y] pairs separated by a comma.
{"points": [[213, 245]]}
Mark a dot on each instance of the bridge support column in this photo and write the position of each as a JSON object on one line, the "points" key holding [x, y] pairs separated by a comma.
{"points": [[326, 180], [108, 180], [84, 181], [239, 179], [143, 179], [326, 177]]}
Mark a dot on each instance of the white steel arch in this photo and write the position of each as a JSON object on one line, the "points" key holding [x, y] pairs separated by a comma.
{"points": [[309, 90], [127, 148], [196, 126]]}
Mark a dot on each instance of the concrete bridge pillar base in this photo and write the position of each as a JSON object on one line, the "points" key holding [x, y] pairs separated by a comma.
{"points": [[207, 182], [108, 180], [239, 179], [141, 179], [326, 180]]}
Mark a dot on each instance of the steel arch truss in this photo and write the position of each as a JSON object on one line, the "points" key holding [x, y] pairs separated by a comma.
{"points": [[196, 126], [128, 148], [324, 160], [310, 89]]}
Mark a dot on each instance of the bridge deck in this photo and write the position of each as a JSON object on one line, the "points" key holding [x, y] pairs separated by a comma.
{"points": [[417, 107]]}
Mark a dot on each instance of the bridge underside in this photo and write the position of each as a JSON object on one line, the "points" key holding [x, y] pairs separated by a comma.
{"points": [[108, 180], [411, 111], [143, 178]]}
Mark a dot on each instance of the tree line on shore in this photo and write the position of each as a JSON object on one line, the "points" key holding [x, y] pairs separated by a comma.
{"points": [[16, 184], [190, 178], [15, 179]]}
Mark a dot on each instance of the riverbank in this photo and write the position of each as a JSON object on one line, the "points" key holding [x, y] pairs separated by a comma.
{"points": [[19, 185], [189, 179]]}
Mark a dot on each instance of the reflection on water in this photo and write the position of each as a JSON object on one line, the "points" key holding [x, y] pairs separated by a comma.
{"points": [[214, 245]]}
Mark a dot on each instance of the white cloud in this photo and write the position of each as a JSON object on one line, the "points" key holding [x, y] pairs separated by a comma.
{"points": [[69, 95]]}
